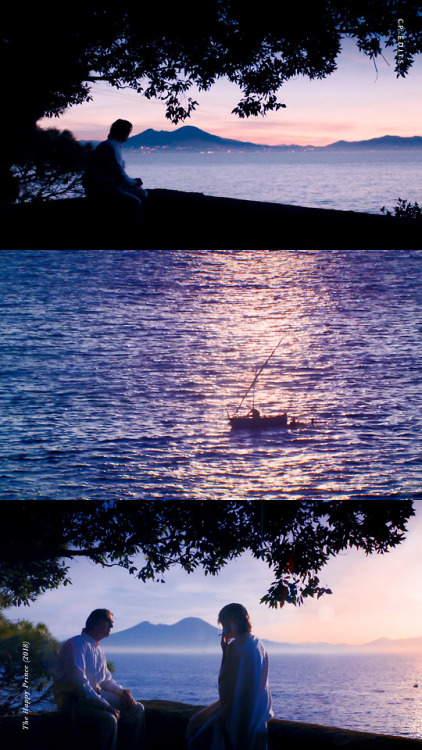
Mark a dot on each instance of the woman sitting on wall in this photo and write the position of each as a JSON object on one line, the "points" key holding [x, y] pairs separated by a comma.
{"points": [[238, 721]]}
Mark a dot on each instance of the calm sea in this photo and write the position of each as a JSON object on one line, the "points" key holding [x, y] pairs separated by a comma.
{"points": [[365, 692], [347, 180], [118, 369]]}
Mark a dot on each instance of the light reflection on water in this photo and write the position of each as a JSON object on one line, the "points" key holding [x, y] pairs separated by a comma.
{"points": [[364, 692], [119, 369]]}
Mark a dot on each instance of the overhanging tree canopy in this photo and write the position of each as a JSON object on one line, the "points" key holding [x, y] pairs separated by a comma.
{"points": [[51, 54], [295, 539]]}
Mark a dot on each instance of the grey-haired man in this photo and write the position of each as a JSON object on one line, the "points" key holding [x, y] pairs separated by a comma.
{"points": [[100, 708]]}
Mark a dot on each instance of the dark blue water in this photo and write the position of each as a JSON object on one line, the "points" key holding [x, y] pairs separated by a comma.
{"points": [[353, 180], [365, 692], [118, 369]]}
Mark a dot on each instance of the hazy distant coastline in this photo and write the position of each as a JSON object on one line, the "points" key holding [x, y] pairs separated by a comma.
{"points": [[190, 138], [193, 634]]}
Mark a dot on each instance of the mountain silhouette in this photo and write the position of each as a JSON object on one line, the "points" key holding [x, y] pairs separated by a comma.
{"points": [[186, 137], [386, 141], [189, 633], [194, 634], [194, 139]]}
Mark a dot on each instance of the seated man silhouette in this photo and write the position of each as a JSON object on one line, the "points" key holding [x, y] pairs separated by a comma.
{"points": [[105, 179], [100, 709], [238, 721]]}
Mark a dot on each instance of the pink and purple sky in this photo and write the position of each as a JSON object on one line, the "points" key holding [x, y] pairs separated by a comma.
{"points": [[356, 102], [373, 597]]}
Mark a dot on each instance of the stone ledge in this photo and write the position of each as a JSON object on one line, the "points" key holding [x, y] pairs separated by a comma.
{"points": [[166, 725], [193, 221]]}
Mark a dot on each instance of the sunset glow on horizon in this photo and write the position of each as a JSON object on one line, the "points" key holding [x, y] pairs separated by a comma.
{"points": [[357, 102]]}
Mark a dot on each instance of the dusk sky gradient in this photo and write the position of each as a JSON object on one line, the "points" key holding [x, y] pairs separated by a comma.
{"points": [[373, 597], [356, 102]]}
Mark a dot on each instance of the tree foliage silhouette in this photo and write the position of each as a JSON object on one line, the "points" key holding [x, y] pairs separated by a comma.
{"points": [[27, 657], [51, 55], [54, 54], [49, 166], [295, 539]]}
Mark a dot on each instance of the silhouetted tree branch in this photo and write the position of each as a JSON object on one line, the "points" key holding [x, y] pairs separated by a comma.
{"points": [[162, 50], [49, 165], [51, 55], [295, 539]]}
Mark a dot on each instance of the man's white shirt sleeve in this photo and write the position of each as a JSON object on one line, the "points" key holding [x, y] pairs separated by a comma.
{"points": [[84, 662]]}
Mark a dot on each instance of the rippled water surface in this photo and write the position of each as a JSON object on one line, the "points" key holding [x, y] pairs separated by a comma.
{"points": [[118, 369], [353, 180], [364, 692]]}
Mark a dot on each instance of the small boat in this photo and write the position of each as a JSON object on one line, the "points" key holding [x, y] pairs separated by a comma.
{"points": [[253, 419]]}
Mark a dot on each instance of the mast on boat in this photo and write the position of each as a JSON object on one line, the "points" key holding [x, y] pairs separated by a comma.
{"points": [[252, 385]]}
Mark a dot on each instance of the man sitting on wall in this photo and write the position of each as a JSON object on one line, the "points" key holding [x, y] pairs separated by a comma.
{"points": [[100, 709], [105, 179]]}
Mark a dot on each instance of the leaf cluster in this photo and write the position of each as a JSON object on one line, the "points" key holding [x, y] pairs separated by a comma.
{"points": [[404, 210], [294, 539], [41, 658], [165, 50], [49, 165]]}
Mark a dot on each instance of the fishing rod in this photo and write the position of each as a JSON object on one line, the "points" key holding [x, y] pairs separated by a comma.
{"points": [[252, 385]]}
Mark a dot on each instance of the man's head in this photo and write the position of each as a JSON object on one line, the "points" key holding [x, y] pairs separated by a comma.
{"points": [[99, 624], [120, 130]]}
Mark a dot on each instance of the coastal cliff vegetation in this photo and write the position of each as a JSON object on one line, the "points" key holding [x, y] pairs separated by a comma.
{"points": [[25, 649]]}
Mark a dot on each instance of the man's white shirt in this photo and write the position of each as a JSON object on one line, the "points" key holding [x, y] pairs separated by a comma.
{"points": [[82, 660]]}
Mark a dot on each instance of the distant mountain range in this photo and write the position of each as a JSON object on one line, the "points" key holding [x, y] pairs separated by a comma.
{"points": [[195, 139], [386, 142], [190, 633], [194, 634], [186, 137]]}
